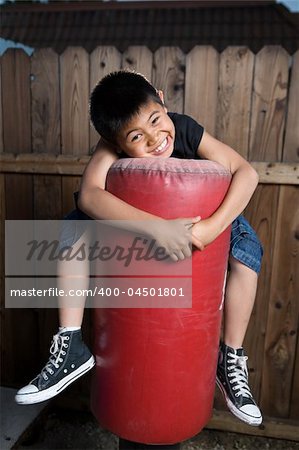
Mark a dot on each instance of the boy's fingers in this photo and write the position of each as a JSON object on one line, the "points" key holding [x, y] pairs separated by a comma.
{"points": [[174, 257], [198, 243], [195, 219], [187, 250], [192, 221], [180, 255]]}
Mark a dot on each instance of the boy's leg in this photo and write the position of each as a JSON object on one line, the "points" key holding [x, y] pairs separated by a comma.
{"points": [[73, 276], [69, 356], [239, 301], [232, 374]]}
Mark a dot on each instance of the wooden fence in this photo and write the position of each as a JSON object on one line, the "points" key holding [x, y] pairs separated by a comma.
{"points": [[249, 101]]}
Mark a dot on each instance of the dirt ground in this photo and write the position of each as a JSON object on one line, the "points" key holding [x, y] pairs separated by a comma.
{"points": [[63, 429]]}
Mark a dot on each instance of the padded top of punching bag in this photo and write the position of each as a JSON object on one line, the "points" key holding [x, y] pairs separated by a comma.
{"points": [[200, 166], [169, 187]]}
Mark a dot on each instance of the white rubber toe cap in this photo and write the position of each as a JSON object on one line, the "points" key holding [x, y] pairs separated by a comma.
{"points": [[29, 389], [253, 412]]}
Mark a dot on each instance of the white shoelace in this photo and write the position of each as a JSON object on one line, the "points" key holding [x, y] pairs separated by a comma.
{"points": [[56, 350], [239, 374]]}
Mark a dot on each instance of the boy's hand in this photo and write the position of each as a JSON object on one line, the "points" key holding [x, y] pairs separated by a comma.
{"points": [[203, 233], [175, 236]]}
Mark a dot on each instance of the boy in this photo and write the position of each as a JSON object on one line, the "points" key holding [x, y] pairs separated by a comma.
{"points": [[132, 120]]}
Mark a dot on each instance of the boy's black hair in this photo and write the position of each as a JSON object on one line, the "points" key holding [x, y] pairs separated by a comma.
{"points": [[116, 99]]}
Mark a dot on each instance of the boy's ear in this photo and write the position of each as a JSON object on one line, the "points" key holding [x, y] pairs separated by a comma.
{"points": [[116, 148], [161, 95], [112, 146]]}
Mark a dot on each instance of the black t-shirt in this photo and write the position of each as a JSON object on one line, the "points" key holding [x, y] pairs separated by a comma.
{"points": [[188, 134]]}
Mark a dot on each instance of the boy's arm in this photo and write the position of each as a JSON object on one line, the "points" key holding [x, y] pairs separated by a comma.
{"points": [[243, 185], [98, 203], [94, 200]]}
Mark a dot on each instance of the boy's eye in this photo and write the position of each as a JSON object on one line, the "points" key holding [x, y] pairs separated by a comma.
{"points": [[136, 137], [155, 120]]}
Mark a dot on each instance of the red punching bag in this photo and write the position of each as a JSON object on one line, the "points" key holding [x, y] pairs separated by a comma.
{"points": [[155, 367]]}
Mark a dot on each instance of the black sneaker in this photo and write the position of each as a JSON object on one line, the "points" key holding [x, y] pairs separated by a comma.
{"points": [[69, 360], [232, 379]]}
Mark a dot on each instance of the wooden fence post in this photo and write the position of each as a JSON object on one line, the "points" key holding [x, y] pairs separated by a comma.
{"points": [[201, 86]]}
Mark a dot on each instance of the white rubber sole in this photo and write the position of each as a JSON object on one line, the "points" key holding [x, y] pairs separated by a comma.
{"points": [[250, 420], [41, 396]]}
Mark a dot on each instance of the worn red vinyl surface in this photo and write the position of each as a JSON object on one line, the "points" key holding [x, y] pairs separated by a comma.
{"points": [[155, 367]]}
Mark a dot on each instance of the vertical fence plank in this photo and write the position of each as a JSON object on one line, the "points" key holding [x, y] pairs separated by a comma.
{"points": [[269, 104], [283, 309], [1, 110], [201, 86], [294, 404], [261, 214], [291, 144], [47, 197], [169, 76], [16, 101], [6, 316], [2, 236], [70, 185], [6, 344], [19, 206], [140, 59], [291, 154], [17, 129], [102, 61], [19, 198], [234, 98], [74, 82], [45, 102], [45, 95]]}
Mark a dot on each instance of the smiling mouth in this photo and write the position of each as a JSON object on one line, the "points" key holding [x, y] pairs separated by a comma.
{"points": [[162, 147]]}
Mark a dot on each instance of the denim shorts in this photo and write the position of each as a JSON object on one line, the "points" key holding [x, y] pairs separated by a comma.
{"points": [[245, 246], [72, 228]]}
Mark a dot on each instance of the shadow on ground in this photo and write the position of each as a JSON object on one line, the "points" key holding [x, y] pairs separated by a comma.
{"points": [[64, 429]]}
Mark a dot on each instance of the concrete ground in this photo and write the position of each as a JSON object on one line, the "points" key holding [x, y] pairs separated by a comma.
{"points": [[14, 418], [64, 429]]}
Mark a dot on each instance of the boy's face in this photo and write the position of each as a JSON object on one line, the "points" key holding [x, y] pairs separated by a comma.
{"points": [[149, 134]]}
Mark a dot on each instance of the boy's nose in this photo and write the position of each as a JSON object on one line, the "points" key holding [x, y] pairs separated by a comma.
{"points": [[153, 138]]}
